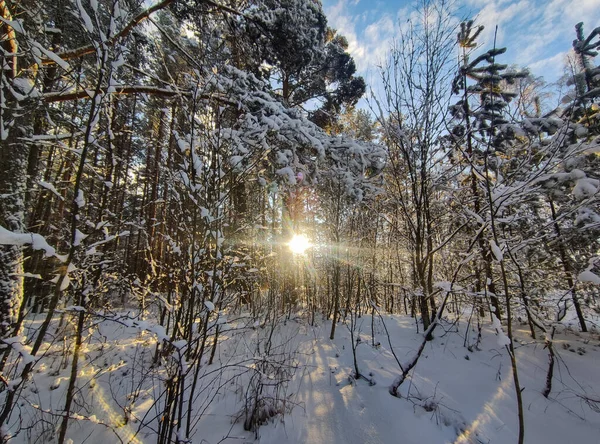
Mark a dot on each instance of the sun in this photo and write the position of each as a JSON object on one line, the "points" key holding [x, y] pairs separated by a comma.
{"points": [[299, 244]]}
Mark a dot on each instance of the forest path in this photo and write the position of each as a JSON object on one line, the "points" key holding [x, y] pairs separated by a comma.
{"points": [[336, 410], [331, 410]]}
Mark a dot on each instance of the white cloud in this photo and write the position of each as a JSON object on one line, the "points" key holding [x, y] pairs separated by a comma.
{"points": [[537, 33], [368, 41], [551, 67]]}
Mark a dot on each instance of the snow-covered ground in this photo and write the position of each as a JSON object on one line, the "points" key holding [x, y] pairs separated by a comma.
{"points": [[453, 396]]}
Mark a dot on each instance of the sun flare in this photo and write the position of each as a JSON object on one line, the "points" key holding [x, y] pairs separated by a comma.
{"points": [[299, 244]]}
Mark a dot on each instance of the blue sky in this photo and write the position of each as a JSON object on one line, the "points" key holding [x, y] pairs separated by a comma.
{"points": [[537, 33]]}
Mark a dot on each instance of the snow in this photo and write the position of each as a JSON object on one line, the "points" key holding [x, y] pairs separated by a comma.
{"points": [[18, 343], [496, 250], [79, 236], [158, 330], [31, 275], [37, 242], [503, 340], [475, 216], [12, 385], [15, 24], [80, 199], [288, 173], [588, 276], [444, 285], [51, 188], [26, 86], [456, 393], [65, 282], [581, 131], [236, 162], [52, 56], [180, 345], [585, 187], [87, 21], [452, 395]]}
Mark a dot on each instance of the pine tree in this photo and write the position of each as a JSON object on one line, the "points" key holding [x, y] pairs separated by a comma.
{"points": [[482, 135]]}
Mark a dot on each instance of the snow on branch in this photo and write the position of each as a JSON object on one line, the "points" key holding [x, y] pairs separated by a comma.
{"points": [[498, 255], [588, 276], [89, 49], [37, 242], [114, 89]]}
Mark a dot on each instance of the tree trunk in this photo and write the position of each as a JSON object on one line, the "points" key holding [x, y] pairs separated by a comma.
{"points": [[13, 165], [567, 269]]}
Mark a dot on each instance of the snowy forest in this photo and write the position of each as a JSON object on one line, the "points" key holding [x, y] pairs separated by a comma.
{"points": [[212, 229]]}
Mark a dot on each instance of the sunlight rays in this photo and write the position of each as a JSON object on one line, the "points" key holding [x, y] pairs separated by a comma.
{"points": [[299, 244], [485, 416]]}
